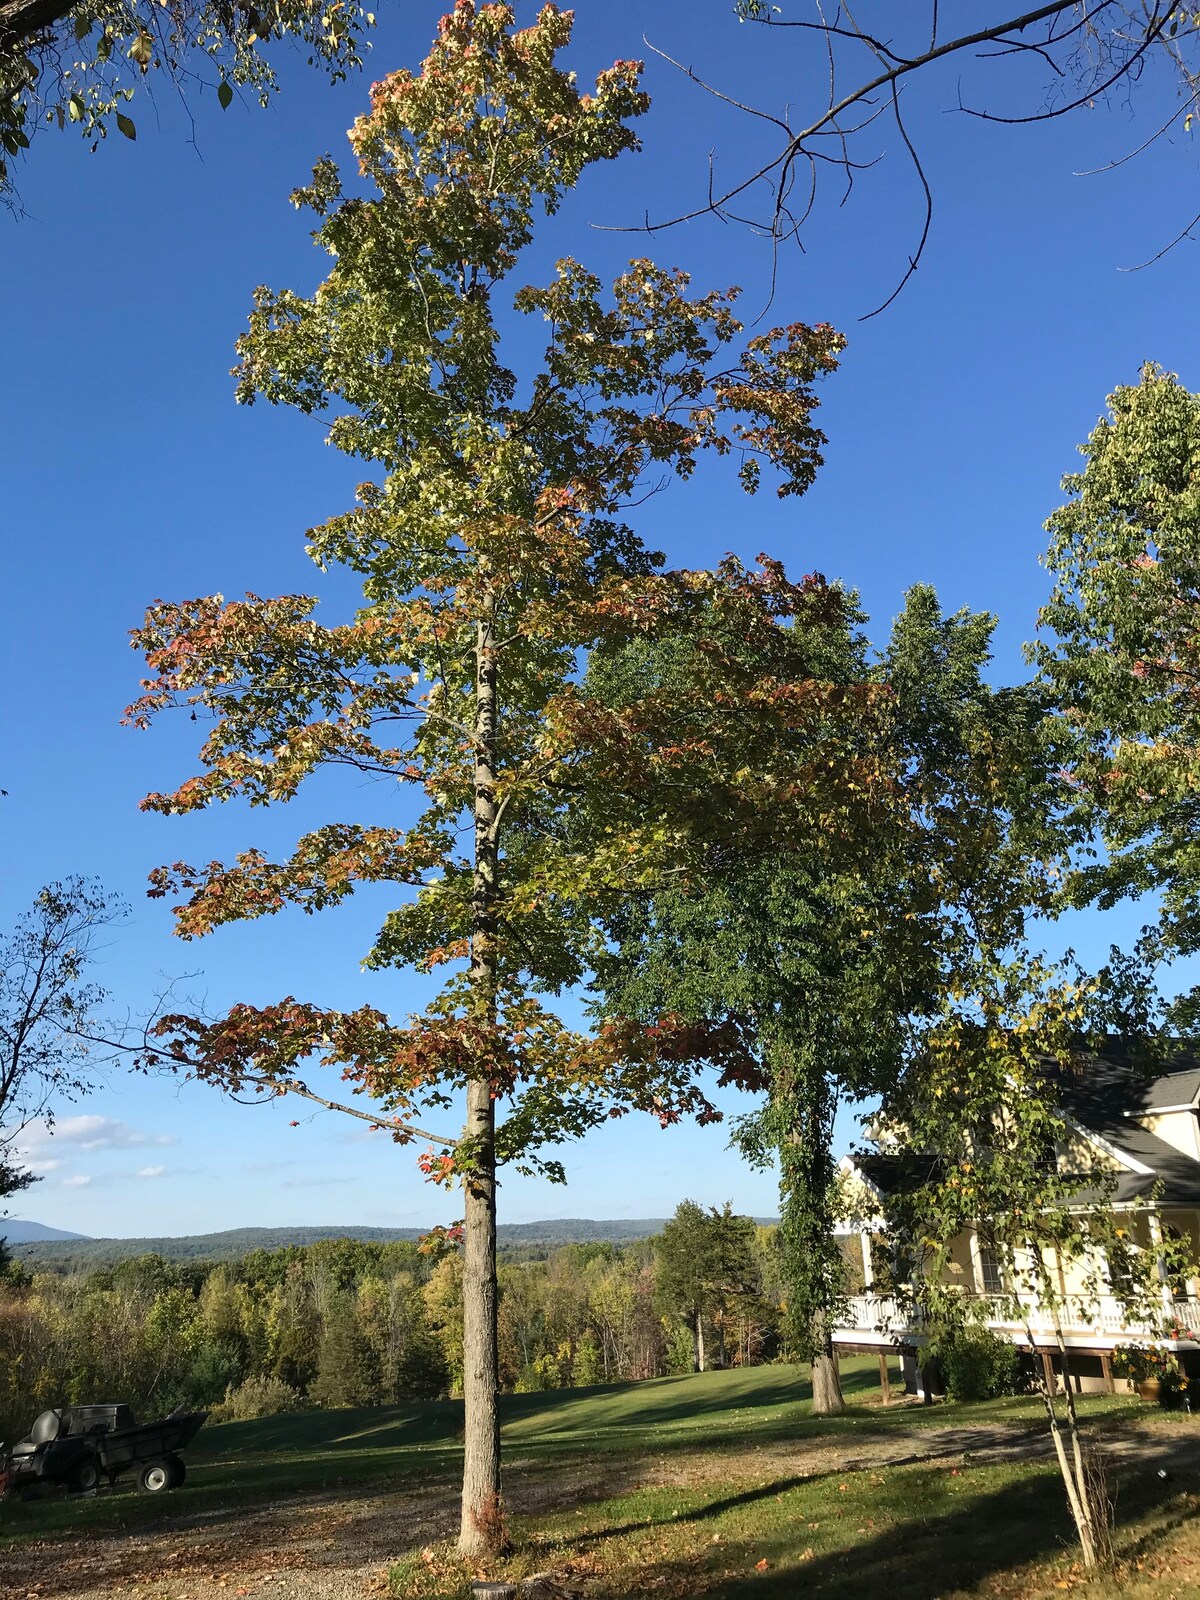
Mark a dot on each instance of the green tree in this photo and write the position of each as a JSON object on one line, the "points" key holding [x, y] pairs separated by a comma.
{"points": [[77, 65], [492, 554], [1119, 650], [824, 952], [706, 1265], [293, 1330], [347, 1369]]}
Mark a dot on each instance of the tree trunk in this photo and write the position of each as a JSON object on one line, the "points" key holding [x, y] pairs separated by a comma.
{"points": [[827, 1399], [1088, 1511], [482, 1529], [481, 1532], [699, 1338], [21, 20]]}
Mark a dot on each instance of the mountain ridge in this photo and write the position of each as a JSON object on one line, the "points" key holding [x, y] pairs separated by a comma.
{"points": [[21, 1230], [230, 1243]]}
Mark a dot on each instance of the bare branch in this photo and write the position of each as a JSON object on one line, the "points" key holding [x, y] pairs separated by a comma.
{"points": [[1093, 47]]}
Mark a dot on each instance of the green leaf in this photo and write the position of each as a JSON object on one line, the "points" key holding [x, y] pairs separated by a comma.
{"points": [[142, 50], [126, 126], [75, 108], [83, 26], [225, 94]]}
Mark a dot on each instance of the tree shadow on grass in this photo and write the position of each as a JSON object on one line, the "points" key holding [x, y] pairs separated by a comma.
{"points": [[923, 1558]]}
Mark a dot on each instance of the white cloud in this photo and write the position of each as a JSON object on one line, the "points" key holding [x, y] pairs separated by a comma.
{"points": [[79, 1181], [85, 1133], [105, 1133], [150, 1172]]}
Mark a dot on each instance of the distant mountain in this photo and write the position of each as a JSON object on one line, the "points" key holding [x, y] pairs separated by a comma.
{"points": [[16, 1230], [71, 1251]]}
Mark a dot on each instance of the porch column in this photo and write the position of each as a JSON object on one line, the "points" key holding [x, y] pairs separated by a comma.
{"points": [[1156, 1239], [868, 1266]]}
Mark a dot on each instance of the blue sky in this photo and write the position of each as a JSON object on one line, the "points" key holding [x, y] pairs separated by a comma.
{"points": [[128, 473]]}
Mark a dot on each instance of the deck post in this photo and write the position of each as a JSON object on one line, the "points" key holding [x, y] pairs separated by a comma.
{"points": [[885, 1382], [1048, 1373], [1110, 1386]]}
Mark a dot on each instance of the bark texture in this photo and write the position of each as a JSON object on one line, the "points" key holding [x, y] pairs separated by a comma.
{"points": [[482, 1529], [23, 19]]}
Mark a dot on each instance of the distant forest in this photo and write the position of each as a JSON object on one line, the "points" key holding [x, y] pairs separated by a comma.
{"points": [[365, 1322], [82, 1255]]}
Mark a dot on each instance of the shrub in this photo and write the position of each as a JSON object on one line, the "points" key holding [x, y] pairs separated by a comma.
{"points": [[979, 1365], [260, 1396]]}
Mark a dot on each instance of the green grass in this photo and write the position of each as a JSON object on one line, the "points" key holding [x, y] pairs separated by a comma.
{"points": [[905, 1533], [676, 1487]]}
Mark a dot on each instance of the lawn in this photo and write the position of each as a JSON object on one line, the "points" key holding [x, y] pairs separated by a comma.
{"points": [[718, 1484]]}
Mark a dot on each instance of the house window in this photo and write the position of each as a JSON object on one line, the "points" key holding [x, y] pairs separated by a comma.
{"points": [[1122, 1279], [990, 1273]]}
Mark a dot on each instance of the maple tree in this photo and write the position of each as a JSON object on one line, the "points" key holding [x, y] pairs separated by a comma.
{"points": [[493, 553]]}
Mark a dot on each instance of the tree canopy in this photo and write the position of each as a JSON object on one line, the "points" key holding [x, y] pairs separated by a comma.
{"points": [[1118, 649], [833, 958]]}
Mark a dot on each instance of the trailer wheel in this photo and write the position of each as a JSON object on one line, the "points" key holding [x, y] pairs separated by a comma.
{"points": [[85, 1475], [178, 1471], [157, 1476]]}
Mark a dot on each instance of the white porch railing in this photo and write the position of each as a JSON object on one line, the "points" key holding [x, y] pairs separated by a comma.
{"points": [[876, 1319]]}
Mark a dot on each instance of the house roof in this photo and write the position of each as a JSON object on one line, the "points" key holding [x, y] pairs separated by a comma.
{"points": [[1113, 1087], [1174, 1175], [1105, 1095]]}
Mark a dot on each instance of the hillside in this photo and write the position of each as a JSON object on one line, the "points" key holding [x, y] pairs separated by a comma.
{"points": [[68, 1253], [17, 1230]]}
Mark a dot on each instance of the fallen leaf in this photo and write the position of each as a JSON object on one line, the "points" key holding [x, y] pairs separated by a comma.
{"points": [[761, 1566]]}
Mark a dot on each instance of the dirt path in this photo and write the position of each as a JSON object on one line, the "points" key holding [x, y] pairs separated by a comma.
{"points": [[338, 1547]]}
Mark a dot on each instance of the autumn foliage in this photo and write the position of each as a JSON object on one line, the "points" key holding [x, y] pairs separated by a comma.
{"points": [[494, 556]]}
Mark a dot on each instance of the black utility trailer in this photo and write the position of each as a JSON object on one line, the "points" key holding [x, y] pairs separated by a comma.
{"points": [[77, 1446]]}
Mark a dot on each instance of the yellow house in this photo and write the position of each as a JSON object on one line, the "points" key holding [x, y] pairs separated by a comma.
{"points": [[1144, 1133]]}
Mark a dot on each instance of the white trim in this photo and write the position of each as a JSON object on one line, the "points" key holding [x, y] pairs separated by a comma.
{"points": [[1158, 1111]]}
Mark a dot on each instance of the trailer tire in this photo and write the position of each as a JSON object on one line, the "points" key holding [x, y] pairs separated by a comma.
{"points": [[157, 1476], [85, 1476], [179, 1468]]}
